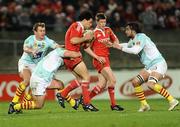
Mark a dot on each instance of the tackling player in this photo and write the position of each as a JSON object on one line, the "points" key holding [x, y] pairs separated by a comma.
{"points": [[155, 65], [35, 48], [43, 78]]}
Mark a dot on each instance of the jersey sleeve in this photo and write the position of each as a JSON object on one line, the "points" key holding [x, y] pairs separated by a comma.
{"points": [[112, 35], [28, 42], [140, 41], [61, 51], [52, 44], [76, 31]]}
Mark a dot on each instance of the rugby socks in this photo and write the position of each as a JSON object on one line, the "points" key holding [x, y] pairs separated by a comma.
{"points": [[95, 91], [21, 88], [85, 92], [73, 84], [71, 101], [111, 95], [27, 97], [159, 89], [140, 94], [25, 105]]}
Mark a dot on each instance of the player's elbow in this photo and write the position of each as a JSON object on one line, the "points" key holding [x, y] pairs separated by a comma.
{"points": [[135, 52]]}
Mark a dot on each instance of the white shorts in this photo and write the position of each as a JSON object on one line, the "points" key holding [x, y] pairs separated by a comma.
{"points": [[22, 65], [38, 85], [160, 67]]}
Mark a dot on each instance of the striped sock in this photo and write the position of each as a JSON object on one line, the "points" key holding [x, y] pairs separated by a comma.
{"points": [[25, 105], [21, 88], [111, 95], [73, 84], [85, 92], [96, 90], [159, 89], [27, 97], [140, 94], [70, 101]]}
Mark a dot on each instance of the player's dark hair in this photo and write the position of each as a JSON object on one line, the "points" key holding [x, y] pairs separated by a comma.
{"points": [[100, 16], [135, 26], [85, 15], [36, 25]]}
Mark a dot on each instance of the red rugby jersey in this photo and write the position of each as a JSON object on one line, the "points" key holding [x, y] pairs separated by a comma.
{"points": [[75, 30], [98, 47]]}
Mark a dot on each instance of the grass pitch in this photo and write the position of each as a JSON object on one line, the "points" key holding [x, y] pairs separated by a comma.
{"points": [[52, 115]]}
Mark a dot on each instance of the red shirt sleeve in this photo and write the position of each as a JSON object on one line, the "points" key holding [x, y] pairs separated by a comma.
{"points": [[112, 35], [76, 31]]}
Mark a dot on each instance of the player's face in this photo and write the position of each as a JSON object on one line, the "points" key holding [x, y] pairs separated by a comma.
{"points": [[128, 31], [40, 33], [88, 24], [101, 23]]}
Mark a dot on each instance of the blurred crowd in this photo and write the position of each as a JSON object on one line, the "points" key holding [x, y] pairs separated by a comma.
{"points": [[59, 14]]}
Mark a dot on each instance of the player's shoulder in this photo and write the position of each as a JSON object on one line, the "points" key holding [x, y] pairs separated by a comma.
{"points": [[30, 38], [107, 28], [47, 39], [141, 36], [78, 26]]}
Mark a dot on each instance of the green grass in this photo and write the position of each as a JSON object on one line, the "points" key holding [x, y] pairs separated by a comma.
{"points": [[54, 116]]}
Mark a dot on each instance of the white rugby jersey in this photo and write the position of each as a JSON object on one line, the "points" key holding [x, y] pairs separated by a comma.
{"points": [[47, 67], [42, 47], [145, 48]]}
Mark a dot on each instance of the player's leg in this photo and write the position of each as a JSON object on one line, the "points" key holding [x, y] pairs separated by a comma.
{"points": [[26, 74], [83, 74], [71, 64], [156, 73], [100, 86], [36, 103], [137, 81], [59, 85], [27, 96], [63, 94], [38, 94], [111, 81], [153, 84]]}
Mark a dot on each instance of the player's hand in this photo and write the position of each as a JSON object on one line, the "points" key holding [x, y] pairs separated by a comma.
{"points": [[88, 36], [34, 52], [79, 54], [101, 59], [106, 41], [61, 46], [117, 46]]}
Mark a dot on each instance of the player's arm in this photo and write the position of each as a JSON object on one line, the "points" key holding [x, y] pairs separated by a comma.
{"points": [[59, 46], [30, 50], [113, 40], [115, 43], [92, 54], [78, 40], [72, 54], [131, 50]]}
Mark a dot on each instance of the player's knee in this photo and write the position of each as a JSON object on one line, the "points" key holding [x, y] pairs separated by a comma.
{"points": [[26, 82], [138, 80], [39, 105], [151, 82], [86, 78], [112, 82], [60, 85]]}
